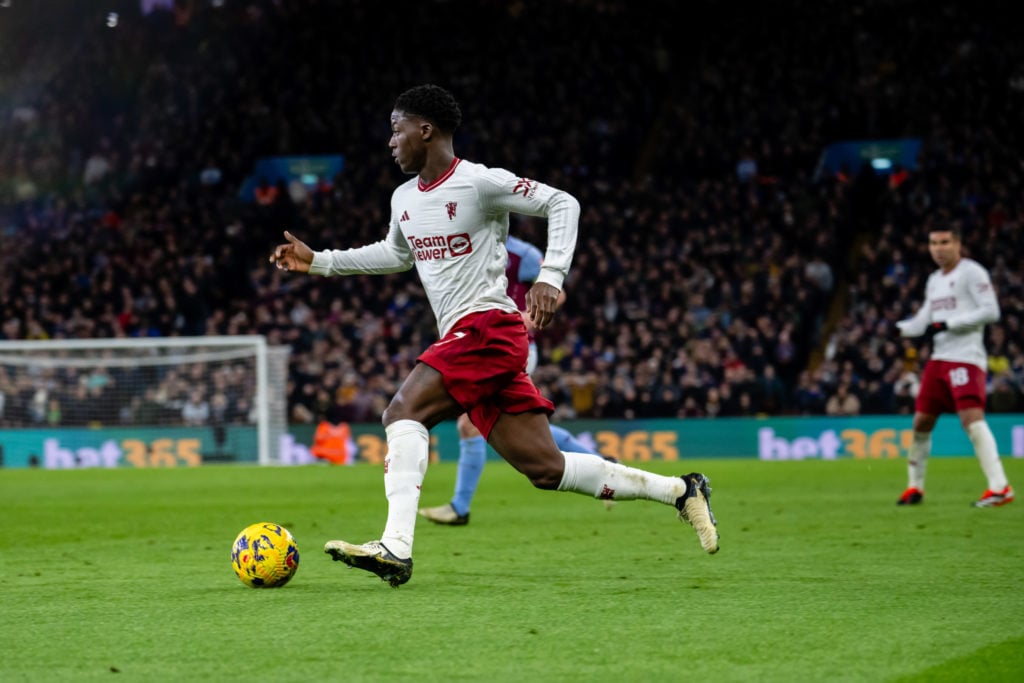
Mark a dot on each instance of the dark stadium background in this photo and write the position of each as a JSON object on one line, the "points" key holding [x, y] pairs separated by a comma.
{"points": [[719, 271]]}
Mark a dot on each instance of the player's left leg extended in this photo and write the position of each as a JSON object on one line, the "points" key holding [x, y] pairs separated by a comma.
{"points": [[567, 443], [525, 441]]}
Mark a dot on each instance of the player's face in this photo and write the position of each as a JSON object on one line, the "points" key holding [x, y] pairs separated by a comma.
{"points": [[945, 248], [406, 142]]}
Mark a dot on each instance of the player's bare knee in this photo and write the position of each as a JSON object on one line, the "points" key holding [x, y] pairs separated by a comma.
{"points": [[924, 423], [546, 475], [969, 417], [548, 480], [394, 412]]}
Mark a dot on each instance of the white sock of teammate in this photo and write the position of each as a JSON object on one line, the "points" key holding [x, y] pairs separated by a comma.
{"points": [[610, 481], [404, 468], [988, 454], [917, 459]]}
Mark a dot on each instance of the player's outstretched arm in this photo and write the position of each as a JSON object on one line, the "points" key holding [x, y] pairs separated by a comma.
{"points": [[294, 255], [918, 324]]}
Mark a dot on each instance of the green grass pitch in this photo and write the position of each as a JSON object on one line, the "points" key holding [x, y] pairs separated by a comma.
{"points": [[125, 575]]}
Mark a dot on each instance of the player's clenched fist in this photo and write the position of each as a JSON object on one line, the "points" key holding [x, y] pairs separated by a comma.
{"points": [[294, 255]]}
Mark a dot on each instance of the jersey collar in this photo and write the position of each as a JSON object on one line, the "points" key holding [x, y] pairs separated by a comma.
{"points": [[423, 187]]}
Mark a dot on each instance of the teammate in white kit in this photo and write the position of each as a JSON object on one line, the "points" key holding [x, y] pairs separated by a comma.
{"points": [[959, 302], [451, 223]]}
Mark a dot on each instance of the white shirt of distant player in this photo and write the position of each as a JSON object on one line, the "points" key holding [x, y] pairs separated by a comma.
{"points": [[964, 299], [454, 232]]}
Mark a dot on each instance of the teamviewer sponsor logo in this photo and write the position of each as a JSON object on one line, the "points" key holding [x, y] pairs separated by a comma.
{"points": [[434, 247]]}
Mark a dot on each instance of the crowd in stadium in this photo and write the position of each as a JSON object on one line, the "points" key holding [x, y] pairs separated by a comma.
{"points": [[716, 273]]}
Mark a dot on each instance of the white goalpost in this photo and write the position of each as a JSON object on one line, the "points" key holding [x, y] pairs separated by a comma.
{"points": [[229, 391]]}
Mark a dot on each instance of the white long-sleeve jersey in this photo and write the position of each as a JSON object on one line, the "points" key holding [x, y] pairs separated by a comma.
{"points": [[454, 232], [964, 299]]}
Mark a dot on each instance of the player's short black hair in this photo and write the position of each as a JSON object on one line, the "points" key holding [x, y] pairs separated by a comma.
{"points": [[431, 103], [952, 227]]}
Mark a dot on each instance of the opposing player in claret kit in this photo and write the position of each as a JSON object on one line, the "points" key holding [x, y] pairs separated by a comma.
{"points": [[959, 302], [450, 222]]}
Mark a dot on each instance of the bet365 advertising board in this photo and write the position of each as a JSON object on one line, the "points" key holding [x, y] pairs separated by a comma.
{"points": [[775, 439]]}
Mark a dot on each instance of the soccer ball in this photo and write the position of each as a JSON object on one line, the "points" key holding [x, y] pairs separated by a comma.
{"points": [[265, 555]]}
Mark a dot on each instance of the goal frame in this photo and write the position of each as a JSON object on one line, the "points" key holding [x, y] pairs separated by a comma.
{"points": [[267, 449]]}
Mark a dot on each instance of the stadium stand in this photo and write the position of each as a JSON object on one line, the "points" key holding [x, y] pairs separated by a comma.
{"points": [[716, 274]]}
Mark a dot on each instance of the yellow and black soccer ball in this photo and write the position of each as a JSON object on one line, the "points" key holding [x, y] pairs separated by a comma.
{"points": [[265, 555]]}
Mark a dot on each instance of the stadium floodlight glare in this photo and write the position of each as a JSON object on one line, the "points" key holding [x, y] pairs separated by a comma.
{"points": [[146, 383]]}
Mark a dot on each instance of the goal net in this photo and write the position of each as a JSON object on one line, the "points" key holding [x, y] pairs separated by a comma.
{"points": [[142, 402]]}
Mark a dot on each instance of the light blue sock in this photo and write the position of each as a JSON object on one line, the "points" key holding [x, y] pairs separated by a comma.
{"points": [[567, 443], [472, 456]]}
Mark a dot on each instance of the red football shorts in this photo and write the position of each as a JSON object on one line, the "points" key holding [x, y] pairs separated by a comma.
{"points": [[482, 361], [948, 387]]}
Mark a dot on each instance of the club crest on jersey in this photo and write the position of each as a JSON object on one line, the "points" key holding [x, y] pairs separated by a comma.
{"points": [[450, 208], [525, 187]]}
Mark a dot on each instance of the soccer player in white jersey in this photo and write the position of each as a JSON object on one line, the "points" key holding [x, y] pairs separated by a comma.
{"points": [[522, 269], [450, 222], [959, 302]]}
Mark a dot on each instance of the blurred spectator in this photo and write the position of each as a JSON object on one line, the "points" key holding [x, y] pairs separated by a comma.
{"points": [[906, 393], [877, 399], [809, 398], [843, 402], [709, 255], [713, 405], [771, 392], [196, 411], [1005, 397]]}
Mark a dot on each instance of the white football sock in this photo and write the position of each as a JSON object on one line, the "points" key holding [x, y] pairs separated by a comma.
{"points": [[917, 459], [404, 468], [988, 454], [610, 481]]}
